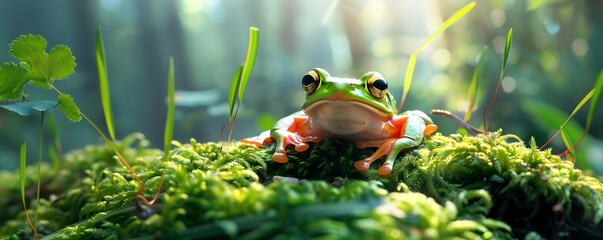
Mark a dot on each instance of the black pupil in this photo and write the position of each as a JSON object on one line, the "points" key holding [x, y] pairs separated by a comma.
{"points": [[380, 84], [307, 80]]}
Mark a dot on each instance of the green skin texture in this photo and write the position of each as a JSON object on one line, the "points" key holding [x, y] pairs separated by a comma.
{"points": [[351, 109]]}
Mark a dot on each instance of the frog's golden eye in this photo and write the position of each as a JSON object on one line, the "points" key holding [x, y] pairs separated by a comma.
{"points": [[310, 82], [377, 86]]}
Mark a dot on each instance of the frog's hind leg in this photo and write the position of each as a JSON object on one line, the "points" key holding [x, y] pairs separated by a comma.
{"points": [[412, 136]]}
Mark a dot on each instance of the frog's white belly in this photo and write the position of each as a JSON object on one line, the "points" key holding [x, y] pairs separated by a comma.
{"points": [[346, 119]]}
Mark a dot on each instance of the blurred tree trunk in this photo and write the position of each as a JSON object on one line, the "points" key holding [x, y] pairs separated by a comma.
{"points": [[359, 43], [153, 74]]}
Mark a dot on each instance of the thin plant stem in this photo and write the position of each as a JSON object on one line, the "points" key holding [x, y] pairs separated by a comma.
{"points": [[39, 168], [118, 154]]}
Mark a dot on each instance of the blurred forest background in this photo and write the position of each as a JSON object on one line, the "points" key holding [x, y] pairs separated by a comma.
{"points": [[555, 59]]}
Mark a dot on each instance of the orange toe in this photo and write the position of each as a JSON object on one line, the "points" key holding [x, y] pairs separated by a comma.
{"points": [[362, 165], [384, 170], [280, 157]]}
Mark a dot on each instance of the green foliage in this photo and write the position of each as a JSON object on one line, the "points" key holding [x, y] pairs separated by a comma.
{"points": [[489, 187], [103, 80], [68, 107], [25, 108], [502, 73], [254, 35], [598, 90], [40, 69], [171, 106], [37, 65]]}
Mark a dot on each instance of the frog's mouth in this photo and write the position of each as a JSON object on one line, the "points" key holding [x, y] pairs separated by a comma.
{"points": [[346, 107], [349, 119]]}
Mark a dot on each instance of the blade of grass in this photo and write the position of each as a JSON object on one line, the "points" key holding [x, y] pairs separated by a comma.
{"points": [[576, 109], [169, 124], [232, 93], [458, 15], [477, 76], [101, 63], [568, 144], [595, 99], [252, 49], [22, 164], [232, 98], [502, 73], [596, 96]]}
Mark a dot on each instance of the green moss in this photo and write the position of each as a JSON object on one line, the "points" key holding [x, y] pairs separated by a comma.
{"points": [[450, 187]]}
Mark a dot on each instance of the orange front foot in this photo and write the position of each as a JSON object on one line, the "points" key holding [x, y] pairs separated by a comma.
{"points": [[385, 148], [283, 138]]}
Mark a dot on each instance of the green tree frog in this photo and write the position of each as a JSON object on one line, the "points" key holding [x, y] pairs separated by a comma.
{"points": [[361, 110]]}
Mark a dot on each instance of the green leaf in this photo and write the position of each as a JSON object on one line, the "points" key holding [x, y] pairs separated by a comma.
{"points": [[25, 108], [12, 80], [502, 73], [61, 62], [68, 107], [477, 75], [101, 64], [252, 49], [22, 163], [458, 15], [595, 99], [169, 122], [576, 109], [507, 50], [42, 66], [567, 142], [29, 49], [232, 93]]}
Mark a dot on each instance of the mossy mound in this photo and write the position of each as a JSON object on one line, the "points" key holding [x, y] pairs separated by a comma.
{"points": [[450, 187]]}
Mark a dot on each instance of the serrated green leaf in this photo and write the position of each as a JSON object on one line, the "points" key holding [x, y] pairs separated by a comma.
{"points": [[68, 107], [29, 48], [41, 66], [103, 79], [25, 108], [252, 50], [61, 62], [12, 80], [458, 15]]}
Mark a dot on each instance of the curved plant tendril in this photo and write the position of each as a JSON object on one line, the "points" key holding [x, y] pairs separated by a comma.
{"points": [[502, 73]]}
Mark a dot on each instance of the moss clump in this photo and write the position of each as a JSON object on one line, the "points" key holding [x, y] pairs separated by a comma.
{"points": [[452, 186]]}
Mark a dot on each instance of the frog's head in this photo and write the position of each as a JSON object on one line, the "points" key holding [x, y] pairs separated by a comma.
{"points": [[369, 92]]}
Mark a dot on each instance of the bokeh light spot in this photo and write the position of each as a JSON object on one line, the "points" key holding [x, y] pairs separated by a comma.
{"points": [[498, 17], [440, 57], [580, 47], [508, 84]]}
